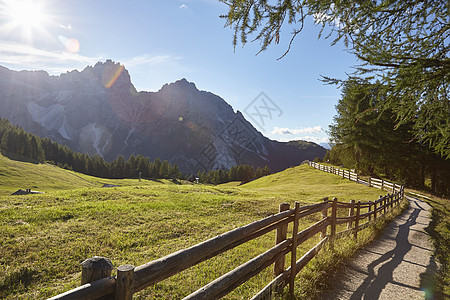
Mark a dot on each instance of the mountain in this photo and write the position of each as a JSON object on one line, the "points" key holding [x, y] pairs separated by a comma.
{"points": [[99, 111], [325, 145]]}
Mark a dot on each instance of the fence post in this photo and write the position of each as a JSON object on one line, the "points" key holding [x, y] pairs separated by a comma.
{"points": [[95, 268], [393, 188], [324, 216], [391, 201], [369, 210], [370, 184], [125, 282], [294, 249], [358, 212], [385, 203], [351, 212], [382, 184], [381, 203], [357, 178], [375, 210], [281, 236], [333, 223]]}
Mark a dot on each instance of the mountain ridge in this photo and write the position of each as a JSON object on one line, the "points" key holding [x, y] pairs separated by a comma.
{"points": [[99, 111]]}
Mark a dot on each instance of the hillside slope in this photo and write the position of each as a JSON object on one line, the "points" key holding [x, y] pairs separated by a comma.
{"points": [[307, 185], [16, 175]]}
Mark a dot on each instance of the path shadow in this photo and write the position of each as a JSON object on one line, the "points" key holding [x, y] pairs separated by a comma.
{"points": [[373, 285]]}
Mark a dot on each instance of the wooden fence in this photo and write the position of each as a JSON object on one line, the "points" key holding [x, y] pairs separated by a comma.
{"points": [[373, 182], [97, 280]]}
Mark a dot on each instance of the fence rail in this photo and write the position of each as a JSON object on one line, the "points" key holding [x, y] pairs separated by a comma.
{"points": [[130, 280], [373, 182]]}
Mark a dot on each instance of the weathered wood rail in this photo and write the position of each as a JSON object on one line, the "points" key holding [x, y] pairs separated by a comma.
{"points": [[373, 182], [130, 280]]}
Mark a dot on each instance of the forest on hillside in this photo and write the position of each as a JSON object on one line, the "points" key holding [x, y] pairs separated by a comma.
{"points": [[14, 140]]}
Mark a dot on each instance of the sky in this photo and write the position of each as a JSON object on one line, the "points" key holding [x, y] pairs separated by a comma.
{"points": [[161, 42]]}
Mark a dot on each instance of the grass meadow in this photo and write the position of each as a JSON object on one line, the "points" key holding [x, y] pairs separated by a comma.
{"points": [[45, 237]]}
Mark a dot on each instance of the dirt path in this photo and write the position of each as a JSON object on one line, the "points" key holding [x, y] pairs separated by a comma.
{"points": [[395, 266]]}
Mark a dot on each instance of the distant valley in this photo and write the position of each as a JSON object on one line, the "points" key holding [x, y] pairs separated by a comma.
{"points": [[98, 111]]}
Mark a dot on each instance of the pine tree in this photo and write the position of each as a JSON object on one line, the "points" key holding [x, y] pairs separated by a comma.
{"points": [[118, 167], [175, 172], [164, 169], [156, 166], [402, 44]]}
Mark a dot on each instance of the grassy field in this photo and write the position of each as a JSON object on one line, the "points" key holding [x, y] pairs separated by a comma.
{"points": [[45, 237], [16, 175], [40, 177]]}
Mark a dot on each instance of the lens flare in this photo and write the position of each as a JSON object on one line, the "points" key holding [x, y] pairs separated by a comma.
{"points": [[191, 126], [110, 75], [72, 45]]}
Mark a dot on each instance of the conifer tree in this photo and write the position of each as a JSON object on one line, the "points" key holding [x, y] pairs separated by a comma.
{"points": [[402, 44]]}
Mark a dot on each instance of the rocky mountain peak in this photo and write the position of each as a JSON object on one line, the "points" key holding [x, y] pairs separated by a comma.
{"points": [[98, 111], [180, 86]]}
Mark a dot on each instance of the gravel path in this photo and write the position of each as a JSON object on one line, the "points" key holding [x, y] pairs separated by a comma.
{"points": [[397, 265]]}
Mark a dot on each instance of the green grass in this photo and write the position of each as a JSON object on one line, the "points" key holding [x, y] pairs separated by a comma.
{"points": [[16, 175], [45, 237], [309, 185]]}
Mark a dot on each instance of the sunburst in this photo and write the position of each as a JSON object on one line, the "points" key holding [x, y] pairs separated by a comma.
{"points": [[27, 16]]}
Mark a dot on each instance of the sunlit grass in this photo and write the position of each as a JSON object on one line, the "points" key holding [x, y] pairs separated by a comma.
{"points": [[46, 237], [16, 175]]}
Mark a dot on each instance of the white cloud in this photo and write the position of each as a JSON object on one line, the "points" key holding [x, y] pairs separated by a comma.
{"points": [[26, 56], [147, 59], [66, 27], [315, 139], [289, 131], [21, 56], [183, 6]]}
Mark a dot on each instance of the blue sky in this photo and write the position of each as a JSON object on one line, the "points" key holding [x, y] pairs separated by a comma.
{"points": [[163, 41]]}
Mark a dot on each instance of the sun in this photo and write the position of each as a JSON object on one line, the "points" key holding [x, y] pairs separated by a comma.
{"points": [[26, 15]]}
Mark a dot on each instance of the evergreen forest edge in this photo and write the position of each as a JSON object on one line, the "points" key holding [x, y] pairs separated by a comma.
{"points": [[15, 142]]}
